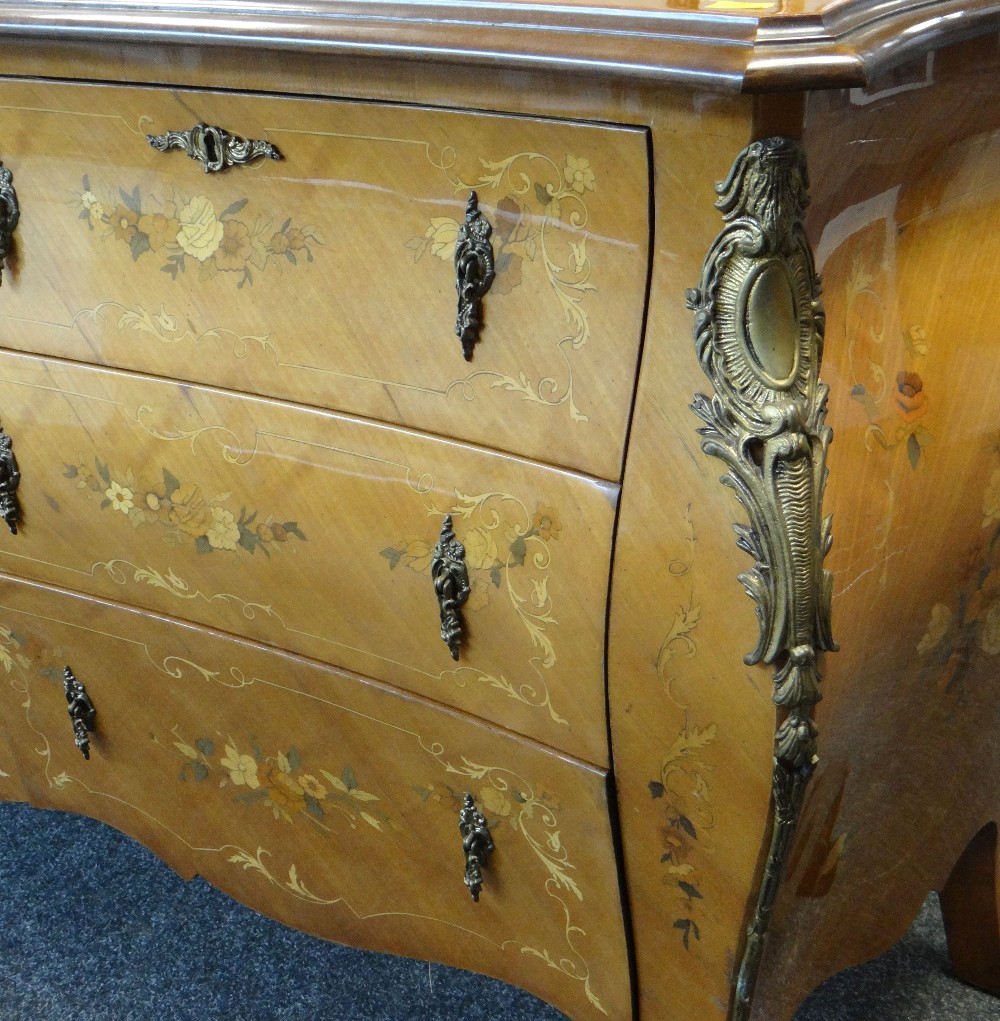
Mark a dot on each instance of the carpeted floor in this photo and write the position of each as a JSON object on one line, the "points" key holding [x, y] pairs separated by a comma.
{"points": [[94, 928]]}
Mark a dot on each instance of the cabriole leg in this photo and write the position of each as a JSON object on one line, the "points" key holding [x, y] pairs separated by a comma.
{"points": [[970, 904]]}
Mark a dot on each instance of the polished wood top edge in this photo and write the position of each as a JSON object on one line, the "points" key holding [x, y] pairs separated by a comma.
{"points": [[854, 44], [664, 45], [295, 657], [806, 45]]}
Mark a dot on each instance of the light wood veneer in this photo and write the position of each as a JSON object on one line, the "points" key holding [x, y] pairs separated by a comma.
{"points": [[325, 800], [320, 411]]}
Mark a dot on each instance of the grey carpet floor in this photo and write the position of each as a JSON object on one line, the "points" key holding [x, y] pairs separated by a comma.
{"points": [[94, 928]]}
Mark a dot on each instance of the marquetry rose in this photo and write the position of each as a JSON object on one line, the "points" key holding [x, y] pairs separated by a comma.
{"points": [[442, 233], [223, 532], [911, 400], [200, 229], [183, 227]]}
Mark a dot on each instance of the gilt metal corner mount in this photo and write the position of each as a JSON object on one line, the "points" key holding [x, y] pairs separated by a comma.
{"points": [[758, 333]]}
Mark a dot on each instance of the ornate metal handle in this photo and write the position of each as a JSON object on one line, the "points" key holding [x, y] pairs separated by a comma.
{"points": [[81, 711], [451, 585], [215, 148], [474, 272], [476, 843], [10, 479], [10, 213]]}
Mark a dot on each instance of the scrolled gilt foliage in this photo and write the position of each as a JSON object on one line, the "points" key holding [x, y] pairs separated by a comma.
{"points": [[758, 334]]}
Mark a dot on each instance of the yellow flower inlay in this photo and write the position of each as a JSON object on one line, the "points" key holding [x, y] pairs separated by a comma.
{"points": [[223, 532], [120, 497], [989, 637], [443, 234], [311, 786], [578, 175], [200, 229], [937, 628], [242, 768]]}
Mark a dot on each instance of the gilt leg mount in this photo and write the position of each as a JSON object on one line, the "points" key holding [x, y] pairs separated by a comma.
{"points": [[758, 332]]}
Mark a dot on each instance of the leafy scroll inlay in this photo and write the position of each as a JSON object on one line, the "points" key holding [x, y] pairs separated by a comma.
{"points": [[541, 210], [533, 814], [758, 333], [508, 550]]}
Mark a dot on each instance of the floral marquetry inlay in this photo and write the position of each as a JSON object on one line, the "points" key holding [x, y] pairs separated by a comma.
{"points": [[264, 782], [968, 624], [507, 796], [508, 555], [540, 213], [280, 782], [187, 232], [681, 792], [181, 509]]}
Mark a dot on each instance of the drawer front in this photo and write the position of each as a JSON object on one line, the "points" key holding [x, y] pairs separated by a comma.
{"points": [[12, 663], [314, 533], [328, 277], [326, 801]]}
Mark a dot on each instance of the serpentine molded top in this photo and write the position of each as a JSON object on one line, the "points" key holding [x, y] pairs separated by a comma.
{"points": [[748, 45]]}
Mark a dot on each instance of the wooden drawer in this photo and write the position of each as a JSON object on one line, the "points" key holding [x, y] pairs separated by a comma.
{"points": [[313, 532], [326, 801], [328, 277]]}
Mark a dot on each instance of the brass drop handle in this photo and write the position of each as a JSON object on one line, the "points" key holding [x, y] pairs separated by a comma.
{"points": [[10, 213], [215, 148], [10, 479], [474, 273], [451, 585], [81, 711], [477, 843]]}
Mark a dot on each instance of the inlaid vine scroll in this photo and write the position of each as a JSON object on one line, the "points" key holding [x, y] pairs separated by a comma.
{"points": [[758, 332]]}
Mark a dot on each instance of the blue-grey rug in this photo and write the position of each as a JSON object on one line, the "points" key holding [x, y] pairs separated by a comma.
{"points": [[93, 927]]}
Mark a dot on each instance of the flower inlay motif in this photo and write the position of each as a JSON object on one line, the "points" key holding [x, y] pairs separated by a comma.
{"points": [[182, 509], [188, 232]]}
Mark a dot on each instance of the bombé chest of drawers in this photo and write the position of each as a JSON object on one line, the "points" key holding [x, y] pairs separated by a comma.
{"points": [[252, 442]]}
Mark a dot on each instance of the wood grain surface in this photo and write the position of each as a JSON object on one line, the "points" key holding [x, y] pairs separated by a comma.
{"points": [[328, 802], [310, 530], [328, 277], [907, 242], [692, 727], [732, 44], [314, 532]]}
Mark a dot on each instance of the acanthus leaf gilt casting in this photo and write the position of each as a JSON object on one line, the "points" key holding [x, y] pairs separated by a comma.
{"points": [[758, 333]]}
